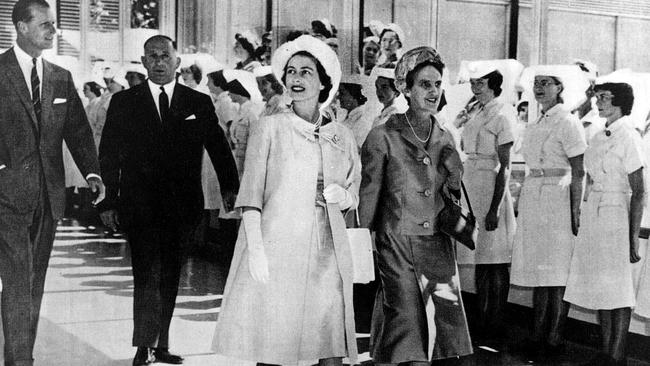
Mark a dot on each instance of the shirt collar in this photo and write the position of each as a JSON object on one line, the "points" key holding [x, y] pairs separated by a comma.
{"points": [[617, 125], [24, 58], [491, 104], [555, 110], [155, 88]]}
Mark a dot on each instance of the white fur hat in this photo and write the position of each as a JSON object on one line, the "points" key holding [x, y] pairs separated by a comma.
{"points": [[317, 48]]}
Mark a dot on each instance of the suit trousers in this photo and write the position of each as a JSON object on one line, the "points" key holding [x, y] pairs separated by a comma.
{"points": [[25, 246], [156, 258]]}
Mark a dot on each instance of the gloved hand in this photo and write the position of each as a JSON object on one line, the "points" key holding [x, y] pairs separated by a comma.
{"points": [[334, 193], [258, 265]]}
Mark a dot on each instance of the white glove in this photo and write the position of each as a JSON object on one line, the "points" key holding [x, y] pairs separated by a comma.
{"points": [[334, 193], [258, 265]]}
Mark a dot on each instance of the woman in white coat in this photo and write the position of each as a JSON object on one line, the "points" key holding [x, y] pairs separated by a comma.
{"points": [[288, 296], [601, 272]]}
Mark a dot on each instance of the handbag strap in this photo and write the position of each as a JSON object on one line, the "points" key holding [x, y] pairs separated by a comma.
{"points": [[356, 214], [469, 205]]}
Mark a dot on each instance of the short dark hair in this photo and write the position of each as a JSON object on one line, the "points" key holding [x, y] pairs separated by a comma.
{"points": [[623, 95], [494, 82], [196, 72], [275, 84], [94, 88], [391, 84], [218, 79], [294, 34], [159, 37], [355, 91], [319, 27], [140, 75], [22, 11], [410, 76], [253, 52], [322, 75], [390, 30]]}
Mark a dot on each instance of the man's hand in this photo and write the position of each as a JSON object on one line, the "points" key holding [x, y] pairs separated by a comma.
{"points": [[110, 219], [96, 185]]}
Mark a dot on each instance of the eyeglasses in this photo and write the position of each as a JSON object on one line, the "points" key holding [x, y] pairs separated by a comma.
{"points": [[478, 84], [543, 83], [602, 97]]}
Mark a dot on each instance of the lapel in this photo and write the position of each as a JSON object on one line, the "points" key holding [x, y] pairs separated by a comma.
{"points": [[406, 132], [175, 107], [143, 93], [433, 147], [15, 76], [47, 93]]}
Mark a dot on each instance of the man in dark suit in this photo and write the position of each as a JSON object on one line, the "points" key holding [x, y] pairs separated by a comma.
{"points": [[40, 108], [150, 157]]}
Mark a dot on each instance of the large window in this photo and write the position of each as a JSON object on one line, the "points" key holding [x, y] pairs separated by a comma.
{"points": [[92, 31]]}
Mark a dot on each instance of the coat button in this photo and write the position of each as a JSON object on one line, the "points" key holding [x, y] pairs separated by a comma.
{"points": [[426, 224], [427, 192], [426, 160]]}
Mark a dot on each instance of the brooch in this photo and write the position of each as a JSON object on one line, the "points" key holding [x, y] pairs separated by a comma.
{"points": [[336, 139]]}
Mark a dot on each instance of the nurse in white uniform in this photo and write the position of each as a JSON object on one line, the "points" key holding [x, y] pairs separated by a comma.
{"points": [[600, 277]]}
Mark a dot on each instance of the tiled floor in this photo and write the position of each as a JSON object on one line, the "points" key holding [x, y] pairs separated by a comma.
{"points": [[87, 309]]}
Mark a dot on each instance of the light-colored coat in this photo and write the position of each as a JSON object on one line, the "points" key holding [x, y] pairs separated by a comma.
{"points": [[262, 322]]}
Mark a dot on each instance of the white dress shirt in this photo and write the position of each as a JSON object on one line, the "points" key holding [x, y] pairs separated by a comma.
{"points": [[26, 65], [155, 92]]}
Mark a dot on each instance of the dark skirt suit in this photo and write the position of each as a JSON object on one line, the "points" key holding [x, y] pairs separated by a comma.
{"points": [[418, 315]]}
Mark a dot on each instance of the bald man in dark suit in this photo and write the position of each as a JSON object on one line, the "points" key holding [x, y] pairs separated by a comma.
{"points": [[151, 157]]}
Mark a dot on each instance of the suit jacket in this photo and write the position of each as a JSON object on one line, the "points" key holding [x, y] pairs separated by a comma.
{"points": [[152, 168], [401, 180], [29, 151]]}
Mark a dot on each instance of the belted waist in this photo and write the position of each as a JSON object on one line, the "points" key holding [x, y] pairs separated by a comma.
{"points": [[600, 189], [477, 156], [549, 172]]}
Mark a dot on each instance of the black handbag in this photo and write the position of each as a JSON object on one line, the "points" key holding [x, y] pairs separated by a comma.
{"points": [[459, 225]]}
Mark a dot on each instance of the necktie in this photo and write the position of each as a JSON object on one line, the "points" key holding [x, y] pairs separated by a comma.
{"points": [[163, 103], [36, 93]]}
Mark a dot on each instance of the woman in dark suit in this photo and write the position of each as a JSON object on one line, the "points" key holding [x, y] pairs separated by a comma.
{"points": [[407, 163]]}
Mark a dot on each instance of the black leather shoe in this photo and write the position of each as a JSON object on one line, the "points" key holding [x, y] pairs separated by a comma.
{"points": [[144, 356], [163, 355]]}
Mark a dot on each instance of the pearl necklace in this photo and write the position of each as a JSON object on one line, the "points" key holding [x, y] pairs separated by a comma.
{"points": [[415, 134]]}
